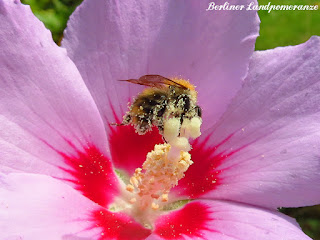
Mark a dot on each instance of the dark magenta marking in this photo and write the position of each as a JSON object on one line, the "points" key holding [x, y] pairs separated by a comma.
{"points": [[203, 176], [118, 226], [129, 149], [92, 175], [190, 220]]}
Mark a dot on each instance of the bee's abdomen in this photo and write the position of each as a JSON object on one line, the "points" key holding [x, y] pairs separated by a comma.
{"points": [[147, 110]]}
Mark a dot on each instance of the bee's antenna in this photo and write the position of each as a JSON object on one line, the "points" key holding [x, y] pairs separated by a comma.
{"points": [[163, 138], [116, 124]]}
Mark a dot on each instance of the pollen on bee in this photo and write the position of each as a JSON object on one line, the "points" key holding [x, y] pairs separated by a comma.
{"points": [[191, 128], [171, 128]]}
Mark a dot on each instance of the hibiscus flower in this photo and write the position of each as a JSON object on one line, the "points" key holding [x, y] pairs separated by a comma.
{"points": [[64, 167]]}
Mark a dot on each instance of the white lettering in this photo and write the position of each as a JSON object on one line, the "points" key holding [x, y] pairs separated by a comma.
{"points": [[211, 6], [252, 6], [249, 6]]}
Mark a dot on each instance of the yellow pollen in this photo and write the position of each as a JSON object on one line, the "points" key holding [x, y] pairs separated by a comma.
{"points": [[154, 206], [130, 188], [164, 197], [134, 181]]}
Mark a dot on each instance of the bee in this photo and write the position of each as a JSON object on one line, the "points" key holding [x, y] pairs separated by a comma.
{"points": [[163, 99]]}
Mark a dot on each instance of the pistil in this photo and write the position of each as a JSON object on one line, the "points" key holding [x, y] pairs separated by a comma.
{"points": [[165, 165]]}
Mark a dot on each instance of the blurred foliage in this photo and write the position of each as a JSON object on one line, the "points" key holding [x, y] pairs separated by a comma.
{"points": [[308, 218], [283, 28], [53, 13], [278, 28]]}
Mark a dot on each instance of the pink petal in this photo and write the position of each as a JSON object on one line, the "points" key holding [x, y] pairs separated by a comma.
{"points": [[226, 221], [126, 39], [265, 149], [37, 207], [49, 122], [34, 207]]}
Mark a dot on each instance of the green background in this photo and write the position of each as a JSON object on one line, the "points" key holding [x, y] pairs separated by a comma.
{"points": [[278, 28]]}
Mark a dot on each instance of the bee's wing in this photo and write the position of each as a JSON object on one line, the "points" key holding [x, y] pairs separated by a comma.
{"points": [[156, 81]]}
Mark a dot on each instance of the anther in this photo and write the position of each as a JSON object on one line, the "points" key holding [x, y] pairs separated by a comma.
{"points": [[129, 188], [155, 195], [164, 198], [154, 206], [134, 181]]}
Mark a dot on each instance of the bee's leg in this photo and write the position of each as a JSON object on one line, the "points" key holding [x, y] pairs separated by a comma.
{"points": [[161, 111], [143, 125], [126, 121], [181, 121], [181, 118], [116, 124], [160, 128], [198, 111]]}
